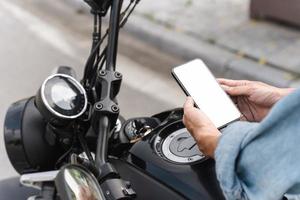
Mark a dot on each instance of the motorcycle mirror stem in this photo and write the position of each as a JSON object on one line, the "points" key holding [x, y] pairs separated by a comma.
{"points": [[113, 37], [106, 86], [106, 112]]}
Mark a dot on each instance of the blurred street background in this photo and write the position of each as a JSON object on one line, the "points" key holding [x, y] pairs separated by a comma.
{"points": [[38, 35]]}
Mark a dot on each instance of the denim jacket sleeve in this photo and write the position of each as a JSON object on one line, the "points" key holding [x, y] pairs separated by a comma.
{"points": [[261, 161]]}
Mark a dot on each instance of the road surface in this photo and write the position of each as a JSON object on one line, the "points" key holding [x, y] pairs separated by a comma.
{"points": [[32, 45]]}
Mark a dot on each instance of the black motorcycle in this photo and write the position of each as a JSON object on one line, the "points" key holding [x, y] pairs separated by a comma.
{"points": [[69, 141]]}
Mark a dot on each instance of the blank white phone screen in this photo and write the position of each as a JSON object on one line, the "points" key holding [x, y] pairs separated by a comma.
{"points": [[202, 86]]}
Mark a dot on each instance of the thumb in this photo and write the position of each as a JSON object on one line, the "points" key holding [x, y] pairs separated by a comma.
{"points": [[189, 103]]}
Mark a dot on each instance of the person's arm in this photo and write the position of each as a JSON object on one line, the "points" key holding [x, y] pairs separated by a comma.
{"points": [[254, 161], [262, 161]]}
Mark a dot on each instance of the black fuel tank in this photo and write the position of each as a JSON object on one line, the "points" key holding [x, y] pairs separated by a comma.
{"points": [[170, 156]]}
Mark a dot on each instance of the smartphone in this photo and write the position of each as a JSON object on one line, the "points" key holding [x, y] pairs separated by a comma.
{"points": [[197, 81]]}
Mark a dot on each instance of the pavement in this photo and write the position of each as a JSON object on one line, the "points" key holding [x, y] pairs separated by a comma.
{"points": [[36, 37], [221, 33]]}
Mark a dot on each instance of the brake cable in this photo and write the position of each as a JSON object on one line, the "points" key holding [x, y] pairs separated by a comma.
{"points": [[124, 19]]}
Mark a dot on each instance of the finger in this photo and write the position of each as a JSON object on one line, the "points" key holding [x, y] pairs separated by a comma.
{"points": [[184, 120], [189, 103], [239, 90], [232, 83], [228, 90], [225, 87]]}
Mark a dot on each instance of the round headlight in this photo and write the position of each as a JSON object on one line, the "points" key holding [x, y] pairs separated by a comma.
{"points": [[61, 97], [27, 146]]}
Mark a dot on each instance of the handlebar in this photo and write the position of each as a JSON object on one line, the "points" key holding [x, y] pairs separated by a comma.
{"points": [[113, 36], [102, 141]]}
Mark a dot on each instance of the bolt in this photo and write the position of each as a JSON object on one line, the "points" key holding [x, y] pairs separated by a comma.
{"points": [[115, 108], [102, 72], [118, 75], [190, 159], [99, 106]]}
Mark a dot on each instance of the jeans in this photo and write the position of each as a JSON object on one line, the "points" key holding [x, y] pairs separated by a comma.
{"points": [[261, 161]]}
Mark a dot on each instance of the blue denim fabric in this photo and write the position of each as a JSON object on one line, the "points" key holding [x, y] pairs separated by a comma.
{"points": [[261, 161]]}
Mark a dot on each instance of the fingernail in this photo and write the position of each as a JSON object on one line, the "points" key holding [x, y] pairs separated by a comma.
{"points": [[224, 87]]}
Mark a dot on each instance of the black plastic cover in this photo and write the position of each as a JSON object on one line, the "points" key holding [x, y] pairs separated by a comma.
{"points": [[146, 187], [25, 139]]}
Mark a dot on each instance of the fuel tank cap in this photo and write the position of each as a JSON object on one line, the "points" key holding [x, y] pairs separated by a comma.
{"points": [[180, 147]]}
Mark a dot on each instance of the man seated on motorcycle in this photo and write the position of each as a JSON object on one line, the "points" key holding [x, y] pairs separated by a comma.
{"points": [[259, 156]]}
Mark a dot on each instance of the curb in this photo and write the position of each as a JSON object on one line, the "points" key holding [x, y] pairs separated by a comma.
{"points": [[180, 45], [221, 62]]}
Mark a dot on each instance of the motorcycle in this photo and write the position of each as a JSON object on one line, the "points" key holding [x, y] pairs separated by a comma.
{"points": [[69, 141]]}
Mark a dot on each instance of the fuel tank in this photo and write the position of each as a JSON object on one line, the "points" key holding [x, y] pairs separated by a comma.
{"points": [[170, 158]]}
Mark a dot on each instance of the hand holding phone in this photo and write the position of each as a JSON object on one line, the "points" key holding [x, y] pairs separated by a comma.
{"points": [[201, 128], [197, 81]]}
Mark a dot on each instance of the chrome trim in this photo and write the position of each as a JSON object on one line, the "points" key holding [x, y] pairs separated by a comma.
{"points": [[34, 180], [169, 155], [51, 109]]}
